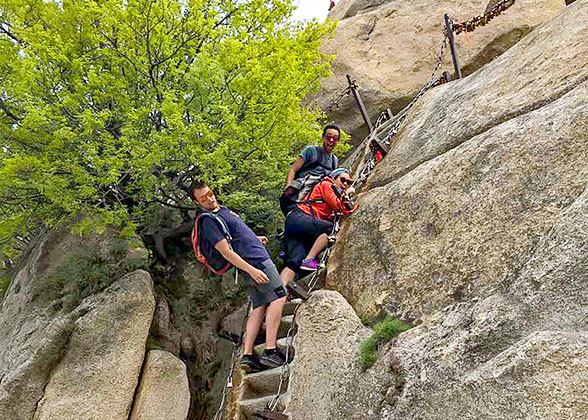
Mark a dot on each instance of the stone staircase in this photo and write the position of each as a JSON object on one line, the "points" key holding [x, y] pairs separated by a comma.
{"points": [[257, 390]]}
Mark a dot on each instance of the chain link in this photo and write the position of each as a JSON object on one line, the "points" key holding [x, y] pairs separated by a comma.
{"points": [[475, 22], [311, 285], [335, 103]]}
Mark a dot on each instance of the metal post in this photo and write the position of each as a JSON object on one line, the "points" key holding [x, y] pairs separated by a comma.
{"points": [[449, 29], [360, 104]]}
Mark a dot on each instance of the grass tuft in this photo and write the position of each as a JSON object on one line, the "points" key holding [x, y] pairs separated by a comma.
{"points": [[383, 332]]}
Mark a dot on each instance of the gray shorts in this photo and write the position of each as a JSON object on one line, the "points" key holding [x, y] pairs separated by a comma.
{"points": [[265, 293]]}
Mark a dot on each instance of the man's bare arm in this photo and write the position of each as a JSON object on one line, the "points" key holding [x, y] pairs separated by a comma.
{"points": [[231, 256], [295, 167]]}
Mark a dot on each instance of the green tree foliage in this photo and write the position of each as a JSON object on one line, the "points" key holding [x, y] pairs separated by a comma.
{"points": [[109, 107]]}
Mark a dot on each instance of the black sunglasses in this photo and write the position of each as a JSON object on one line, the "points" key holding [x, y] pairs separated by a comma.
{"points": [[346, 181]]}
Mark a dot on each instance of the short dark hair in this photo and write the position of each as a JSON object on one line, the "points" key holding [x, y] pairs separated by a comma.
{"points": [[197, 185], [333, 126]]}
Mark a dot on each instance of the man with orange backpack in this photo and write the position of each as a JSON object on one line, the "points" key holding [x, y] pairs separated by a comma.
{"points": [[221, 235]]}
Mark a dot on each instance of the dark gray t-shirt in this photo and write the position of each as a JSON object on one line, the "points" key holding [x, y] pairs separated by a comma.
{"points": [[245, 243], [316, 154]]}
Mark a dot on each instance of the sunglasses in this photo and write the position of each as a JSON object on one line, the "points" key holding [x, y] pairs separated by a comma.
{"points": [[346, 181], [334, 139], [206, 196]]}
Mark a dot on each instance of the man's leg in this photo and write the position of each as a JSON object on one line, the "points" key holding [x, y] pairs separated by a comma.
{"points": [[252, 328], [287, 275], [272, 322]]}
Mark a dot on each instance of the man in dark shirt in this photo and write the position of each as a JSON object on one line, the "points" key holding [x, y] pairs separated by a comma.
{"points": [[246, 252], [316, 160]]}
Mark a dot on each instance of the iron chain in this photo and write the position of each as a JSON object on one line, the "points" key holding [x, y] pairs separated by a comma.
{"points": [[482, 20]]}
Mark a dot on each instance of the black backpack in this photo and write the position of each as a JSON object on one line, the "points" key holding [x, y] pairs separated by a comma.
{"points": [[206, 253], [302, 186]]}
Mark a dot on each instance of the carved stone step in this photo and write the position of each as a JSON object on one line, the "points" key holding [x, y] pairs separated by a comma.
{"points": [[249, 407], [290, 306], [262, 384], [282, 343], [285, 325]]}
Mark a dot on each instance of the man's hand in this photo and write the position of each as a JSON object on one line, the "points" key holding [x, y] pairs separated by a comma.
{"points": [[258, 276], [263, 239]]}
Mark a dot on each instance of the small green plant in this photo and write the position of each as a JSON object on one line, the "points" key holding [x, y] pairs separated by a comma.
{"points": [[86, 271], [383, 332], [364, 318]]}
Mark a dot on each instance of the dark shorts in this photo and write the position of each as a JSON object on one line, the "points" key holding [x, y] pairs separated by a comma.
{"points": [[299, 235], [305, 227], [265, 293]]}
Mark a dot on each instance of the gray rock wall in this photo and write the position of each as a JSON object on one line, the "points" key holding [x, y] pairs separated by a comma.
{"points": [[476, 177], [476, 223], [163, 392], [390, 47], [57, 363]]}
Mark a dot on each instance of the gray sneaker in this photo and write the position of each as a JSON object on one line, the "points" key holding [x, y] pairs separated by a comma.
{"points": [[273, 358]]}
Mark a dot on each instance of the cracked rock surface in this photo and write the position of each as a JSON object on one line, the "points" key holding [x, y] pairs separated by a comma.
{"points": [[71, 364], [390, 48], [476, 225]]}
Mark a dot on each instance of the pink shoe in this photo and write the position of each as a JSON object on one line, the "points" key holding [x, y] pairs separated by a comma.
{"points": [[309, 265]]}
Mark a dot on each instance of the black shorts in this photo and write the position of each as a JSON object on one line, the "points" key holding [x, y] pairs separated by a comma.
{"points": [[265, 293], [305, 227]]}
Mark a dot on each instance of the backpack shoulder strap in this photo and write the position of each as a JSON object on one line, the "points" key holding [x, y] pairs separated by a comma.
{"points": [[220, 221]]}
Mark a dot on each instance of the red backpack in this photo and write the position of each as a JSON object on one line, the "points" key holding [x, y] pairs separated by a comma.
{"points": [[206, 253]]}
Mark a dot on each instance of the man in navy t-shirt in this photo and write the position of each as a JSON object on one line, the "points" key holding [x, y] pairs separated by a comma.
{"points": [[247, 252]]}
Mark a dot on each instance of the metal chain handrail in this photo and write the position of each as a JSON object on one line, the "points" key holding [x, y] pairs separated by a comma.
{"points": [[339, 98], [311, 285], [482, 20]]}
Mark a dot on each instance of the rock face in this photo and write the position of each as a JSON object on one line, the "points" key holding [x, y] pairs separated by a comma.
{"points": [[326, 360], [163, 392], [98, 374], [476, 177], [477, 224], [83, 363], [390, 48]]}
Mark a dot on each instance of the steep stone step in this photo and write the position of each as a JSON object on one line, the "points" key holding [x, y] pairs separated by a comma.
{"points": [[248, 407], [287, 322], [282, 343], [262, 384], [290, 306]]}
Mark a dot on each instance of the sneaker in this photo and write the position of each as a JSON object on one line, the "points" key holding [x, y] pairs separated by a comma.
{"points": [[297, 291], [273, 358], [309, 265], [251, 364]]}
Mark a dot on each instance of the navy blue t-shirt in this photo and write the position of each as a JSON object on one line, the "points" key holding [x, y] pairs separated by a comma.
{"points": [[245, 243]]}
